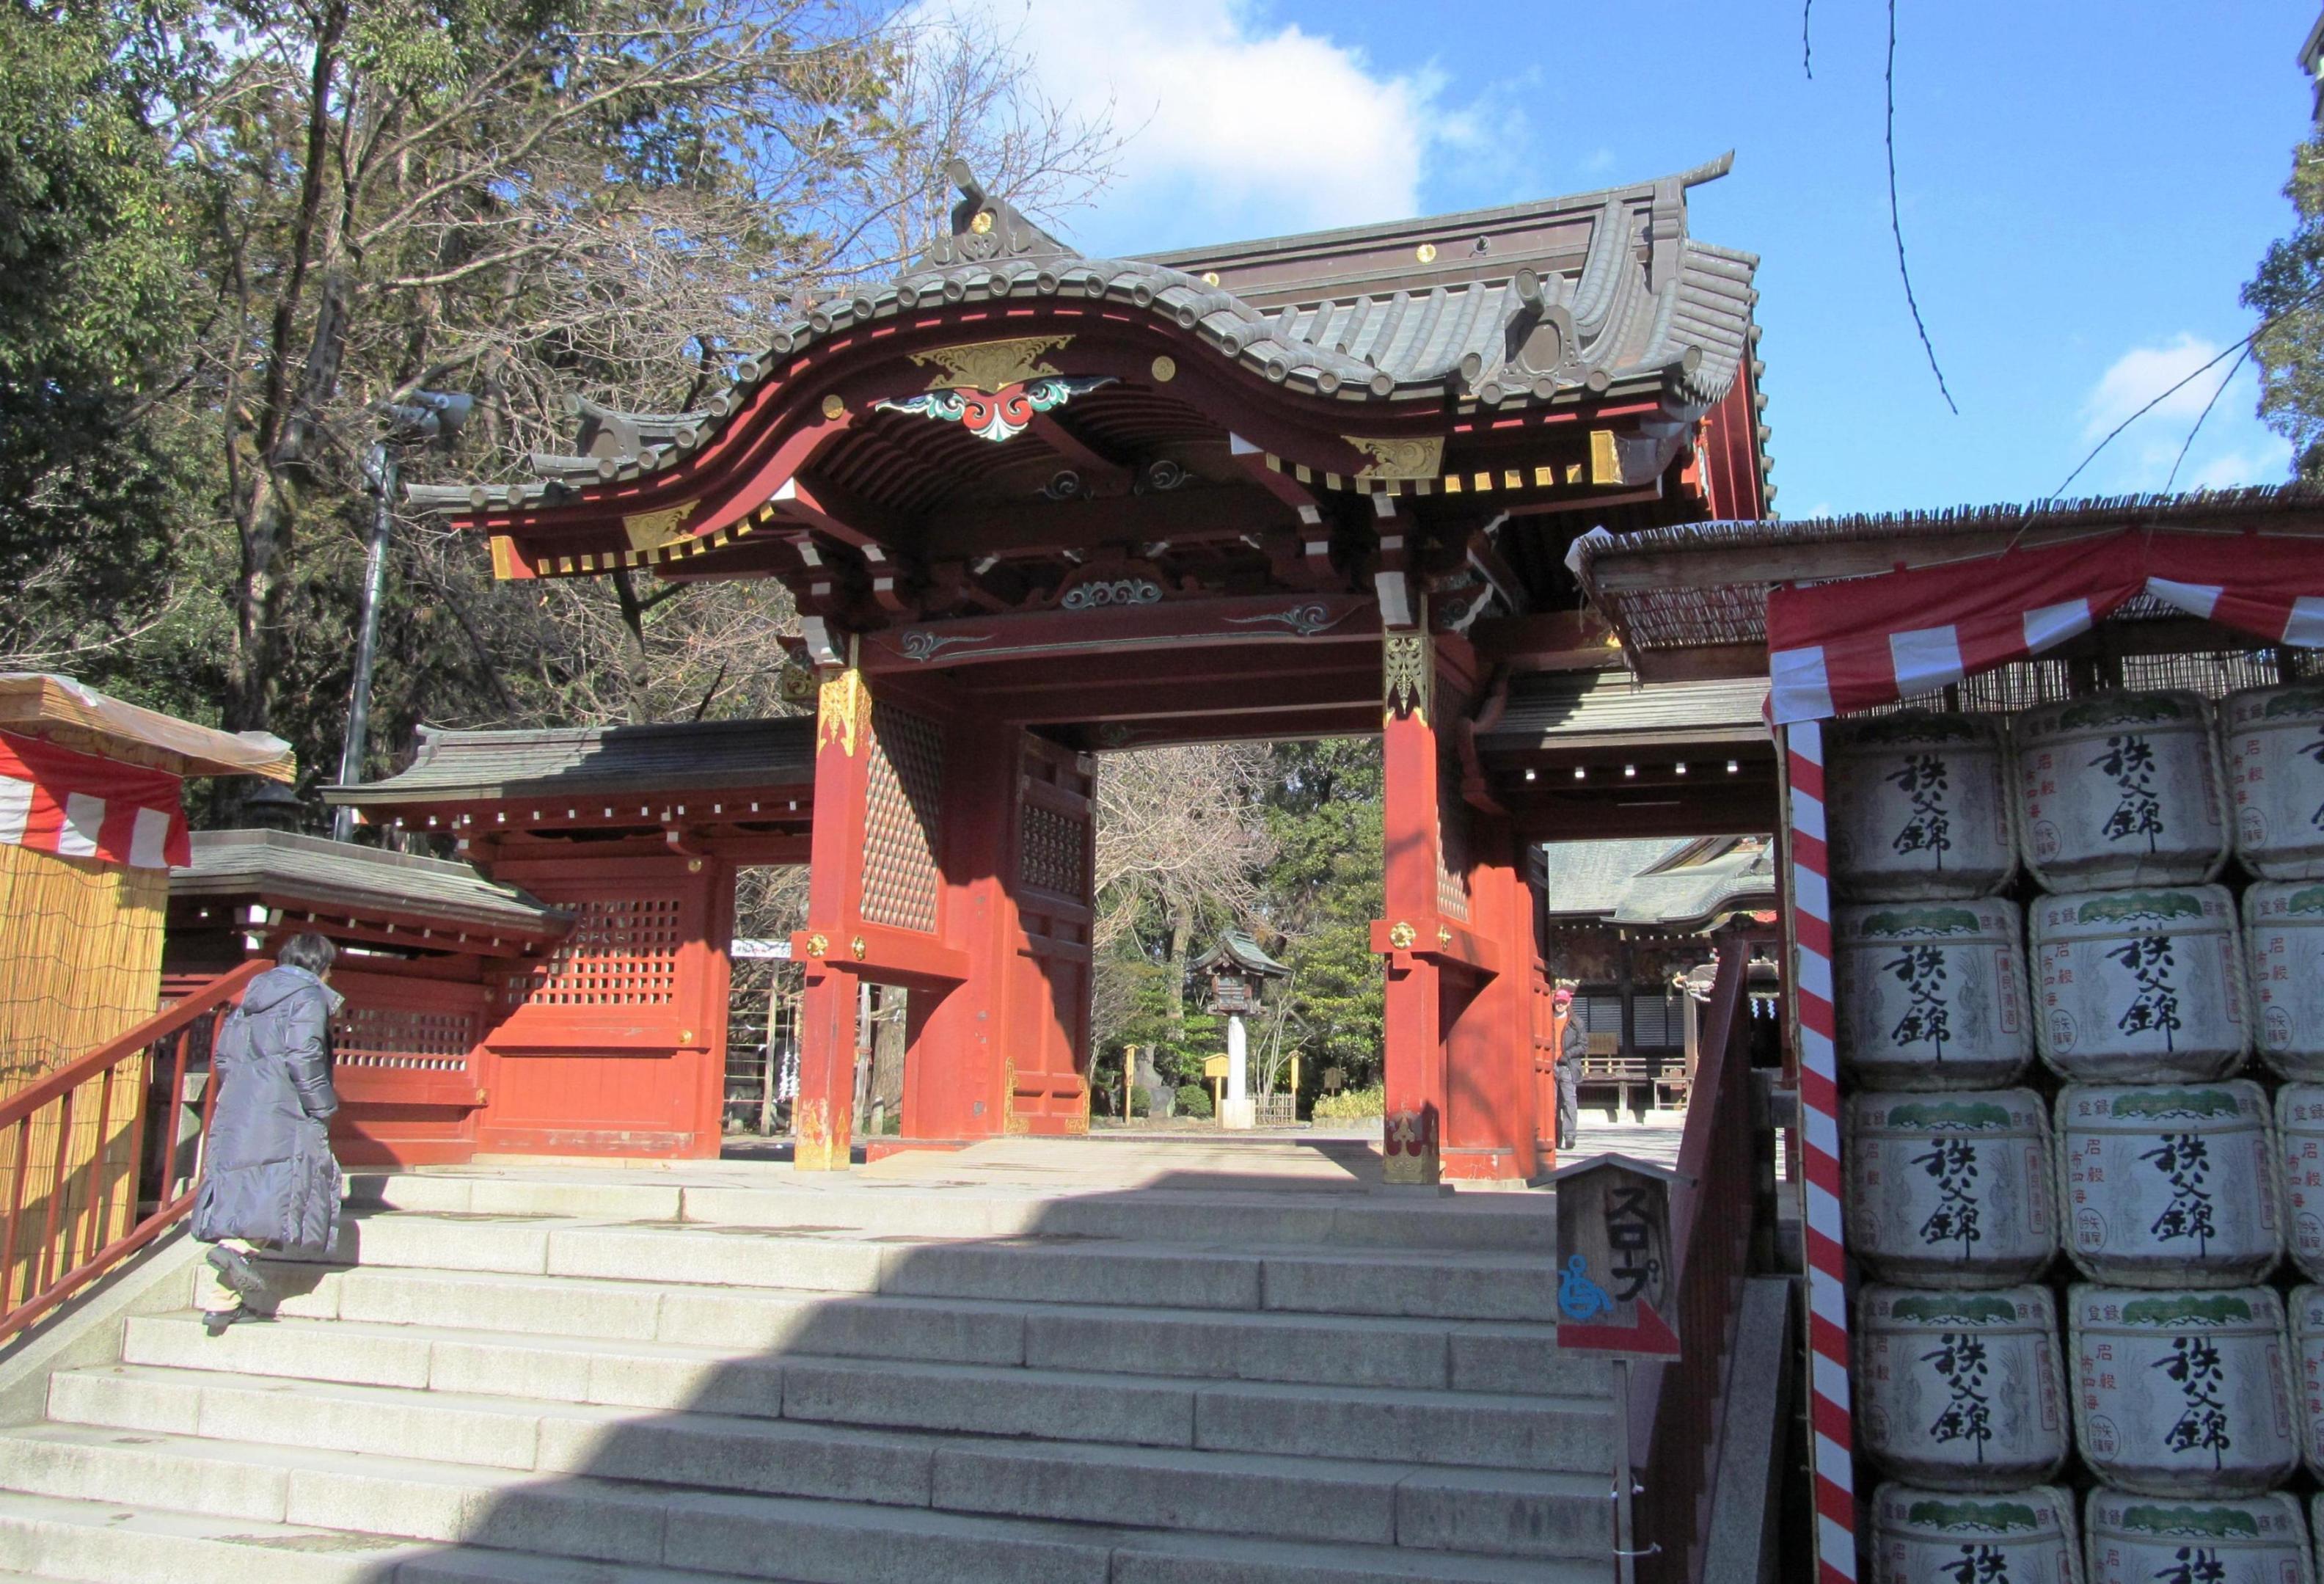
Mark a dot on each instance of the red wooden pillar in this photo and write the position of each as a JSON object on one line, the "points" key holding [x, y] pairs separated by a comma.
{"points": [[954, 1092], [1008, 1050], [825, 1113], [1490, 1119], [1457, 938], [1046, 1067], [1414, 1059]]}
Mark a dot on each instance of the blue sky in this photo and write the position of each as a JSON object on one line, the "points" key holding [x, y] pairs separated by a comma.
{"points": [[2085, 188]]}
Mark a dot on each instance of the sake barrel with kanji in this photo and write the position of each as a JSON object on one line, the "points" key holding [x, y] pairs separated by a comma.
{"points": [[2119, 790], [2135, 1539], [1962, 1391], [1917, 806], [1933, 995], [2169, 1185], [2306, 1306], [2139, 985], [1952, 1190], [1922, 1537], [2300, 1149], [2284, 948], [2272, 745], [2185, 1394]]}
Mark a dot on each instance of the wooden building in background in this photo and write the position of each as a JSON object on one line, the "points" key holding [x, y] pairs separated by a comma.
{"points": [[1625, 924]]}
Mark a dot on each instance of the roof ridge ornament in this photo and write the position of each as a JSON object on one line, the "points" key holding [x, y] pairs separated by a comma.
{"points": [[987, 228]]}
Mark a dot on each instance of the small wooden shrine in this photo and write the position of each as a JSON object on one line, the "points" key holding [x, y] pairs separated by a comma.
{"points": [[425, 947], [91, 817], [1033, 505], [610, 1037]]}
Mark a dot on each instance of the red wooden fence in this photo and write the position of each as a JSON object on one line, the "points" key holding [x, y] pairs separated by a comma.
{"points": [[74, 1244]]}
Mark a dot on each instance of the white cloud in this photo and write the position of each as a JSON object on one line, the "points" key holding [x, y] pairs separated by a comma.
{"points": [[2233, 448], [2144, 372], [2265, 463], [1237, 128]]}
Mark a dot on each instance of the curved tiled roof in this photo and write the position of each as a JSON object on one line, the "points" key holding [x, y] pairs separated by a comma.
{"points": [[685, 756], [1644, 309], [334, 875], [1656, 884]]}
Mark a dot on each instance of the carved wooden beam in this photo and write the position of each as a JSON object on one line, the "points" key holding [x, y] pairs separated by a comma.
{"points": [[1186, 516], [1298, 620], [1101, 474], [832, 511]]}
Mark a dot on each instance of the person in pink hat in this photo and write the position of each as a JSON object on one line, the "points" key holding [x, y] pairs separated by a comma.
{"points": [[1570, 1052]]}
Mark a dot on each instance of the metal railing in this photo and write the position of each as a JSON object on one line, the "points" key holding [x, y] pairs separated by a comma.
{"points": [[83, 1194], [1676, 1416]]}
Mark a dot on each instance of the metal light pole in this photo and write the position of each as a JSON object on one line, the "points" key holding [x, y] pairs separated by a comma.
{"points": [[428, 416]]}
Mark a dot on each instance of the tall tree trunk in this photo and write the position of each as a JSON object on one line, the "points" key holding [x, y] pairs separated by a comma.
{"points": [[267, 515], [1182, 934]]}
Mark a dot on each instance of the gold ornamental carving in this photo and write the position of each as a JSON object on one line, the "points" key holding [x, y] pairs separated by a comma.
{"points": [[857, 946], [1399, 459], [1443, 938], [818, 943], [795, 683], [650, 530], [1010, 1122], [1407, 675], [843, 711], [991, 365], [1401, 935]]}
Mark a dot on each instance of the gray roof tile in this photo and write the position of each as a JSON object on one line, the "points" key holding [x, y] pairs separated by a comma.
{"points": [[340, 875], [689, 756], [1331, 315], [1644, 884]]}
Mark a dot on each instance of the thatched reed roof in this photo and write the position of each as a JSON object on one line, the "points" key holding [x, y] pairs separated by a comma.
{"points": [[1692, 601]]}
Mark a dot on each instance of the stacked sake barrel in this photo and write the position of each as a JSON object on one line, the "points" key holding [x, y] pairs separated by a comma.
{"points": [[2141, 1148]]}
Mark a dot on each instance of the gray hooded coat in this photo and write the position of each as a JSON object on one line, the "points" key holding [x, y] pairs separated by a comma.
{"points": [[268, 1172]]}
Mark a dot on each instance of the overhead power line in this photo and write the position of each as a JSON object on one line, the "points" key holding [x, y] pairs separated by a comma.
{"points": [[1896, 226]]}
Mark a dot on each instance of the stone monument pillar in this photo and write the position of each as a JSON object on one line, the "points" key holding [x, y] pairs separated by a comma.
{"points": [[1237, 1111]]}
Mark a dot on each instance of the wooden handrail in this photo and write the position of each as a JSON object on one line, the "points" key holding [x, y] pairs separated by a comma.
{"points": [[67, 1257], [1676, 1417], [152, 1031]]}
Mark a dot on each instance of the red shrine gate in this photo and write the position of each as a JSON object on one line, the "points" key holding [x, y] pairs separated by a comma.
{"points": [[1032, 505]]}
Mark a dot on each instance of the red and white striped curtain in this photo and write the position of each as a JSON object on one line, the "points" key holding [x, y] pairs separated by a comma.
{"points": [[79, 805], [1834, 648]]}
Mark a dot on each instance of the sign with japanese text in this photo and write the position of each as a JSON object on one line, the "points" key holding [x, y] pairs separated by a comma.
{"points": [[1615, 1273]]}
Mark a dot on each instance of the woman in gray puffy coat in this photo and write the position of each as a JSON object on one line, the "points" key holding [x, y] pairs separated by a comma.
{"points": [[268, 1175]]}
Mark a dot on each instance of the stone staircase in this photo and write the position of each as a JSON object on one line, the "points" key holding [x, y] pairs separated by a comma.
{"points": [[534, 1378]]}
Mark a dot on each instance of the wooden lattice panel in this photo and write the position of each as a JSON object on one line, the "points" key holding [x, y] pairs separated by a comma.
{"points": [[405, 1039], [1452, 847], [903, 805], [622, 952], [1052, 850]]}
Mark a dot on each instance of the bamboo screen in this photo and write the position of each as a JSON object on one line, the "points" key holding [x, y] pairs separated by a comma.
{"points": [[80, 962]]}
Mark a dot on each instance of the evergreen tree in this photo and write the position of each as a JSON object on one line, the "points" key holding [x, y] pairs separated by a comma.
{"points": [[2289, 294]]}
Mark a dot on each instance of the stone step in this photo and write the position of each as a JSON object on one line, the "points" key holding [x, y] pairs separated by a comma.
{"points": [[593, 1519], [1322, 1218], [1246, 1344], [113, 1543], [1386, 1283], [496, 1397]]}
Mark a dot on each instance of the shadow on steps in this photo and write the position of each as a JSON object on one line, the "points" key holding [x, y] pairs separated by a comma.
{"points": [[1199, 1380]]}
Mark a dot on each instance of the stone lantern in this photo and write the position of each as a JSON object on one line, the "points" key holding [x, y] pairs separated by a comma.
{"points": [[1236, 968]]}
